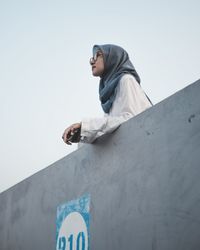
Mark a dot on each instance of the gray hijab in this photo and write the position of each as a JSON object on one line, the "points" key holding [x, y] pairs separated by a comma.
{"points": [[116, 64]]}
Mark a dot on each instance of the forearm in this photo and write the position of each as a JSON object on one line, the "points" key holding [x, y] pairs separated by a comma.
{"points": [[92, 128]]}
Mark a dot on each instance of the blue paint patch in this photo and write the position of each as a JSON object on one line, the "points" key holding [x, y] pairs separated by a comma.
{"points": [[81, 206]]}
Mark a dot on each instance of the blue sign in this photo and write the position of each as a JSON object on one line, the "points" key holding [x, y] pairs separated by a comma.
{"points": [[72, 225]]}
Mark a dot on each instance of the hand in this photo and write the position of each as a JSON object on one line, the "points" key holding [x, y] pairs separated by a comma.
{"points": [[69, 131]]}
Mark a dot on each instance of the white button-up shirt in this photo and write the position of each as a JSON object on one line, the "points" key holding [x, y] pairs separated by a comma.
{"points": [[130, 100]]}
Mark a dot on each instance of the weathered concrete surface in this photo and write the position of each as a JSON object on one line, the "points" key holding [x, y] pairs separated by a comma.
{"points": [[144, 182]]}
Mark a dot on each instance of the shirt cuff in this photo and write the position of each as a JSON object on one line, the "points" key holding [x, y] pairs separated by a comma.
{"points": [[84, 130]]}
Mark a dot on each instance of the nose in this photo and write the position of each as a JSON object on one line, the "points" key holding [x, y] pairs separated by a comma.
{"points": [[92, 61]]}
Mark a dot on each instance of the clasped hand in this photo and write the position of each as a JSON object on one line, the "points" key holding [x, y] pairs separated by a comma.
{"points": [[69, 132]]}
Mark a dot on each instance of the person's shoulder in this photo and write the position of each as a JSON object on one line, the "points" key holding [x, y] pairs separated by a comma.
{"points": [[127, 79]]}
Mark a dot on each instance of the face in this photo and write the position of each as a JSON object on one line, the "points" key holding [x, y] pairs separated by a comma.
{"points": [[97, 64]]}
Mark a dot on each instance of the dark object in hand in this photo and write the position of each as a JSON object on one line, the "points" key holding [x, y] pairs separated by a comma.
{"points": [[75, 136]]}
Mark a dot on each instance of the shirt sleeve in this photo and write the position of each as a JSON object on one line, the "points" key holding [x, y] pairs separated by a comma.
{"points": [[130, 101]]}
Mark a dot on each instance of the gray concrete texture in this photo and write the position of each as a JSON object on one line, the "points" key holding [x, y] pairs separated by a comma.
{"points": [[144, 182]]}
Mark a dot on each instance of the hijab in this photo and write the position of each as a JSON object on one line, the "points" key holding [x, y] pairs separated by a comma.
{"points": [[116, 64]]}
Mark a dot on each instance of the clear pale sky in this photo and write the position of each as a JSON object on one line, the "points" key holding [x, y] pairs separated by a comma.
{"points": [[45, 78]]}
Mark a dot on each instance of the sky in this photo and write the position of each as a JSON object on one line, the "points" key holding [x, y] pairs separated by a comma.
{"points": [[45, 77]]}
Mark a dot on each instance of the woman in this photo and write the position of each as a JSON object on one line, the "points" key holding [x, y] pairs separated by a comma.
{"points": [[120, 94]]}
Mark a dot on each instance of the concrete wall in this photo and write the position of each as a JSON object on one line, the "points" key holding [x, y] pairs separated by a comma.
{"points": [[144, 182]]}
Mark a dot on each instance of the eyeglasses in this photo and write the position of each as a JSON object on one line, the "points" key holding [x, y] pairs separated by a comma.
{"points": [[95, 57]]}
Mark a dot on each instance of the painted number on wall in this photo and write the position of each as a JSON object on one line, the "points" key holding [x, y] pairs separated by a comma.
{"points": [[69, 243]]}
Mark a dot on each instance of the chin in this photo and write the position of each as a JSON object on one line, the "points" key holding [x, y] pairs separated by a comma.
{"points": [[95, 73]]}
